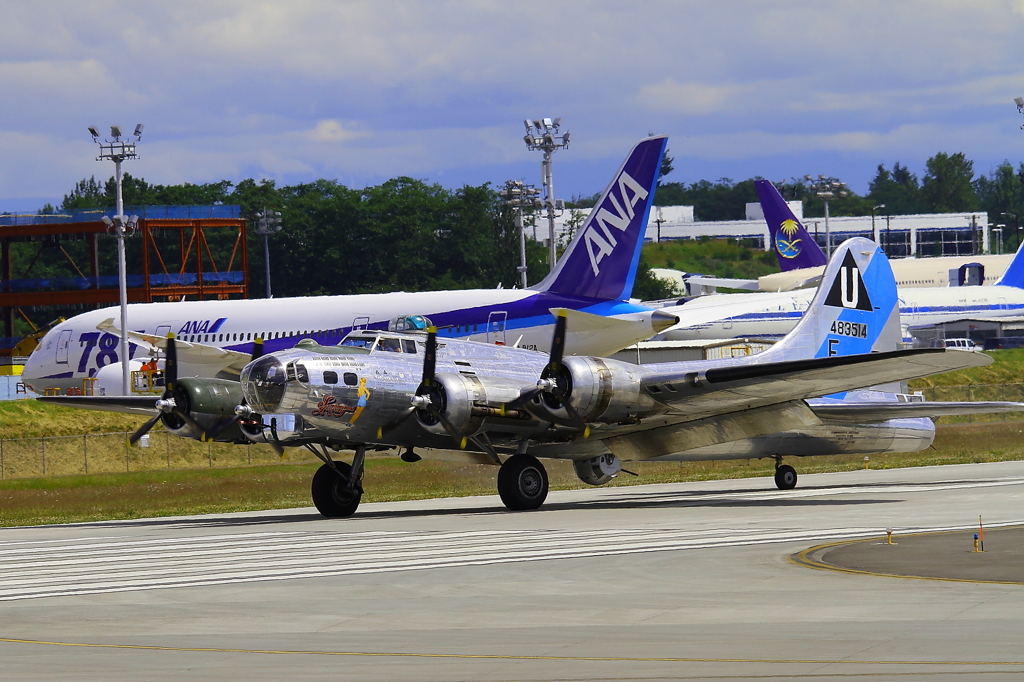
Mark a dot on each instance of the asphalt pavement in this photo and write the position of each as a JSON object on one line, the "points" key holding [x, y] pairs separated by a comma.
{"points": [[677, 581]]}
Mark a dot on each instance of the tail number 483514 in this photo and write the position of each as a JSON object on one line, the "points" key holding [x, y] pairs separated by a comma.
{"points": [[854, 330]]}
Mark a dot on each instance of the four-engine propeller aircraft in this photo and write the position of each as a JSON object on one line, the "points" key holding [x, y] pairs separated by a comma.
{"points": [[449, 398], [594, 279]]}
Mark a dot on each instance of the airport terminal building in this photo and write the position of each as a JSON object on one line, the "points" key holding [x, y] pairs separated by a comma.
{"points": [[922, 235]]}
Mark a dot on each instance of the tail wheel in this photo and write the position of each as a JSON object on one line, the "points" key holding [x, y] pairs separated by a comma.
{"points": [[332, 495], [785, 477], [522, 483]]}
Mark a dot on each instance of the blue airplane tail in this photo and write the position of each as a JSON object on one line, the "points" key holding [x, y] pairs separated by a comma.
{"points": [[1014, 274], [602, 259], [855, 310], [794, 247]]}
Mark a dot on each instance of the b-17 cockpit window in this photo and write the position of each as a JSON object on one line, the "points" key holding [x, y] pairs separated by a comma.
{"points": [[390, 345], [351, 379], [263, 384], [359, 341], [409, 345], [330, 376], [296, 371]]}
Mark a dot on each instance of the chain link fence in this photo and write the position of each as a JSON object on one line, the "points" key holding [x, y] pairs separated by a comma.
{"points": [[97, 453]]}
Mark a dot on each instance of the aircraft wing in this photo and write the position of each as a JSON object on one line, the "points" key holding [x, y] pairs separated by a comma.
{"points": [[859, 413], [605, 335], [748, 284], [961, 317], [729, 388], [144, 405], [193, 358], [804, 283]]}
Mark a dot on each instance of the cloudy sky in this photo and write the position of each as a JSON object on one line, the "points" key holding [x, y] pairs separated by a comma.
{"points": [[366, 91]]}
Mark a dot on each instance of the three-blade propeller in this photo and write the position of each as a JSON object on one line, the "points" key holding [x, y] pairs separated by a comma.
{"points": [[554, 380], [167, 404], [428, 392]]}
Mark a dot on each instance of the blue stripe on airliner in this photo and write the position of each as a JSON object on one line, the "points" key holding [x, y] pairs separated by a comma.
{"points": [[531, 311]]}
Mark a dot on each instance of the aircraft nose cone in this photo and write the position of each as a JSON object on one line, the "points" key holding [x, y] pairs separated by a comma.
{"points": [[661, 321]]}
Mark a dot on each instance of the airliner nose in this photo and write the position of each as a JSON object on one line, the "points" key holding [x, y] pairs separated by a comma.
{"points": [[32, 370], [661, 321]]}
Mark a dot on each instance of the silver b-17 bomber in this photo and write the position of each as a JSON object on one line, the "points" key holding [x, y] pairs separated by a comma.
{"points": [[405, 389]]}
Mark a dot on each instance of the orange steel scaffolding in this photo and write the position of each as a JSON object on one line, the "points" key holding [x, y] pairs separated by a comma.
{"points": [[194, 256]]}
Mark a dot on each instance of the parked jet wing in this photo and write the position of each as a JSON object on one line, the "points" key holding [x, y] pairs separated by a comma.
{"points": [[196, 359], [859, 413]]}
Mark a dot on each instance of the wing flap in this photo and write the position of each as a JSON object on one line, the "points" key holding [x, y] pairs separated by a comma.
{"points": [[132, 404], [742, 386], [713, 430]]}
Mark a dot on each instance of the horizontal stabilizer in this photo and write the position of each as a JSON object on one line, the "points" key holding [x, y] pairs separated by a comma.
{"points": [[859, 413]]}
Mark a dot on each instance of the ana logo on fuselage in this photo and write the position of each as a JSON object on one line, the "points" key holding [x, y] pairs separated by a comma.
{"points": [[201, 326], [598, 239]]}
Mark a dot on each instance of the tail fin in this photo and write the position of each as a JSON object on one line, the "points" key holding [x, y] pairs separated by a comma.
{"points": [[794, 247], [1014, 274], [855, 310], [602, 259]]}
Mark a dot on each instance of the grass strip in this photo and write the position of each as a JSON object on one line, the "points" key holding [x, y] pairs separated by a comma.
{"points": [[67, 499]]}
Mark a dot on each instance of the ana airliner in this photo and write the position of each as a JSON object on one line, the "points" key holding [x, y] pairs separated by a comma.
{"points": [[593, 280]]}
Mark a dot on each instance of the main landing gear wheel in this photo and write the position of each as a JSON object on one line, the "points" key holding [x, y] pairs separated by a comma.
{"points": [[522, 483], [332, 495], [785, 477]]}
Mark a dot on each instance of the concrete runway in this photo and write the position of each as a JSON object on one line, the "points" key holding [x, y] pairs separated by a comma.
{"points": [[681, 581]]}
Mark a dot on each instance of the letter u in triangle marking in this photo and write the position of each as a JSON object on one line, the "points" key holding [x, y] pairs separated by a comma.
{"points": [[848, 290]]}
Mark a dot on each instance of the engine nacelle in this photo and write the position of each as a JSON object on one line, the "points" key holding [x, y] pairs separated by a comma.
{"points": [[597, 470], [207, 401], [456, 396], [208, 396], [604, 390]]}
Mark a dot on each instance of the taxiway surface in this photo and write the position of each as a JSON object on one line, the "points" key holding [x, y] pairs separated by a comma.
{"points": [[647, 582]]}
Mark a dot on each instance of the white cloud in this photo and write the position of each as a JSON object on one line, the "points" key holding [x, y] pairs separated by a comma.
{"points": [[687, 98], [372, 89], [330, 130]]}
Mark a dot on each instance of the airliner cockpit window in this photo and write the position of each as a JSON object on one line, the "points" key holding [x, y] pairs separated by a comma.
{"points": [[263, 383]]}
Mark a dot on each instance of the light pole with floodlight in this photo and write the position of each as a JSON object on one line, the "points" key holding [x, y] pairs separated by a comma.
{"points": [[120, 226], [543, 134], [517, 196], [874, 232], [268, 223], [826, 188], [1016, 226]]}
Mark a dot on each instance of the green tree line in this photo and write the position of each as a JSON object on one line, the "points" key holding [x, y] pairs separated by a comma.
{"points": [[402, 235], [948, 184]]}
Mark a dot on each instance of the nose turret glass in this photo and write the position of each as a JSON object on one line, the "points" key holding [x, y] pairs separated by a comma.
{"points": [[263, 384]]}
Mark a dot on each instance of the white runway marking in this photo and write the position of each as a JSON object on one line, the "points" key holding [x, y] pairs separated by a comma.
{"points": [[93, 566]]}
